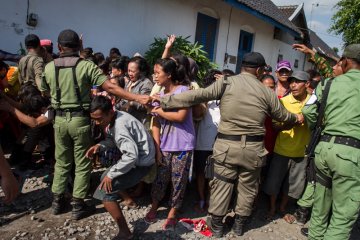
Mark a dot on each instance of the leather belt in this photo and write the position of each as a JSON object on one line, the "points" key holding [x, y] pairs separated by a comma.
{"points": [[73, 112], [348, 141], [249, 138]]}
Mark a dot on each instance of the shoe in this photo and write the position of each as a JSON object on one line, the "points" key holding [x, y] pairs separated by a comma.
{"points": [[58, 204], [304, 231], [238, 227], [216, 225], [302, 215], [80, 209]]}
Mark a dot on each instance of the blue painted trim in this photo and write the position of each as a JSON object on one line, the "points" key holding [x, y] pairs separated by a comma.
{"points": [[261, 16]]}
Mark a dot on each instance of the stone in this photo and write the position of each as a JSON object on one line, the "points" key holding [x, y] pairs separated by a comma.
{"points": [[23, 234], [33, 218], [72, 231]]}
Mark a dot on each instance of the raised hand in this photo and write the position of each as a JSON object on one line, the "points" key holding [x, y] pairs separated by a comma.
{"points": [[170, 41]]}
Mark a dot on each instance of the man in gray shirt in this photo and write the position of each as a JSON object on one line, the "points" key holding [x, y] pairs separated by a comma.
{"points": [[138, 155]]}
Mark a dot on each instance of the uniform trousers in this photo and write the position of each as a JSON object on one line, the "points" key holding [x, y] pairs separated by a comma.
{"points": [[72, 140], [241, 163], [336, 209]]}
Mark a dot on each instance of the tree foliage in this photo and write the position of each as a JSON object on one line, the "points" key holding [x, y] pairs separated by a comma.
{"points": [[346, 21], [184, 46]]}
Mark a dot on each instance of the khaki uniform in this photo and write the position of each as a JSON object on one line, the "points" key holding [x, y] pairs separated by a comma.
{"points": [[239, 151], [337, 157], [72, 121], [30, 69]]}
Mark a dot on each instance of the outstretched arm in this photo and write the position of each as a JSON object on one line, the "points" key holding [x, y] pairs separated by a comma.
{"points": [[320, 63], [118, 91], [25, 119], [168, 46]]}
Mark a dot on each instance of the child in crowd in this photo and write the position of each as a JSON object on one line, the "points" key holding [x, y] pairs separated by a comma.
{"points": [[174, 143]]}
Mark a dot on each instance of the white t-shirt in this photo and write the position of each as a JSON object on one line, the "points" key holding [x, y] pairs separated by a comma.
{"points": [[207, 128]]}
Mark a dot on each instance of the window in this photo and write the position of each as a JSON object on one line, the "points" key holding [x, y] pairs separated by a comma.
{"points": [[296, 63], [206, 29]]}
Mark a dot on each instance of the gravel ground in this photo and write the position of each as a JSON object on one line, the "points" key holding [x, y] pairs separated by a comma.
{"points": [[29, 218]]}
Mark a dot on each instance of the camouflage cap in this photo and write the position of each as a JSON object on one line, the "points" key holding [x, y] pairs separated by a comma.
{"points": [[352, 51]]}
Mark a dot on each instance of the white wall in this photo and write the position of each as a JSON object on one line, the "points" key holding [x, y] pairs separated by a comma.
{"points": [[131, 25], [128, 25], [288, 54]]}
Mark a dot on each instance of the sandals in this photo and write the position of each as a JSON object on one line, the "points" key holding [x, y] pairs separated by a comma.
{"points": [[169, 224], [150, 217]]}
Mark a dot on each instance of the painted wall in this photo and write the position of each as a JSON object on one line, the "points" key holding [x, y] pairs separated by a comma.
{"points": [[288, 54], [131, 25]]}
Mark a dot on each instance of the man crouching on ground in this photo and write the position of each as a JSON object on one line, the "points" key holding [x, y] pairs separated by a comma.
{"points": [[138, 155]]}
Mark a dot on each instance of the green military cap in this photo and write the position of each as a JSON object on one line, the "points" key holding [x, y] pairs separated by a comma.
{"points": [[352, 51]]}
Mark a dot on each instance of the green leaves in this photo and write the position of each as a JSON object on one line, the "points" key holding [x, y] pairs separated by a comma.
{"points": [[346, 21], [183, 46]]}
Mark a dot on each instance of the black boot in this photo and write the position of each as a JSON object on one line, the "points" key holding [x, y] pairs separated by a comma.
{"points": [[302, 215], [80, 209], [216, 225], [58, 204], [238, 227], [305, 232]]}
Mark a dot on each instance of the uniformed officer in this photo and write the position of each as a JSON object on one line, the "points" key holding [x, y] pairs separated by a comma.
{"points": [[69, 80], [31, 66], [239, 151], [337, 156]]}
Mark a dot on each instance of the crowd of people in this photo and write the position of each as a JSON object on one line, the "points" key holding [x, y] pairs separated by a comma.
{"points": [[237, 134]]}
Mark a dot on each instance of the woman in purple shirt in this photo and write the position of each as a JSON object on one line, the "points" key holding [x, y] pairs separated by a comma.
{"points": [[174, 137]]}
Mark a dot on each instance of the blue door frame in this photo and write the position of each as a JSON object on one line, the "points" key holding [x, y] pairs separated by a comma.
{"points": [[245, 46], [206, 29]]}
